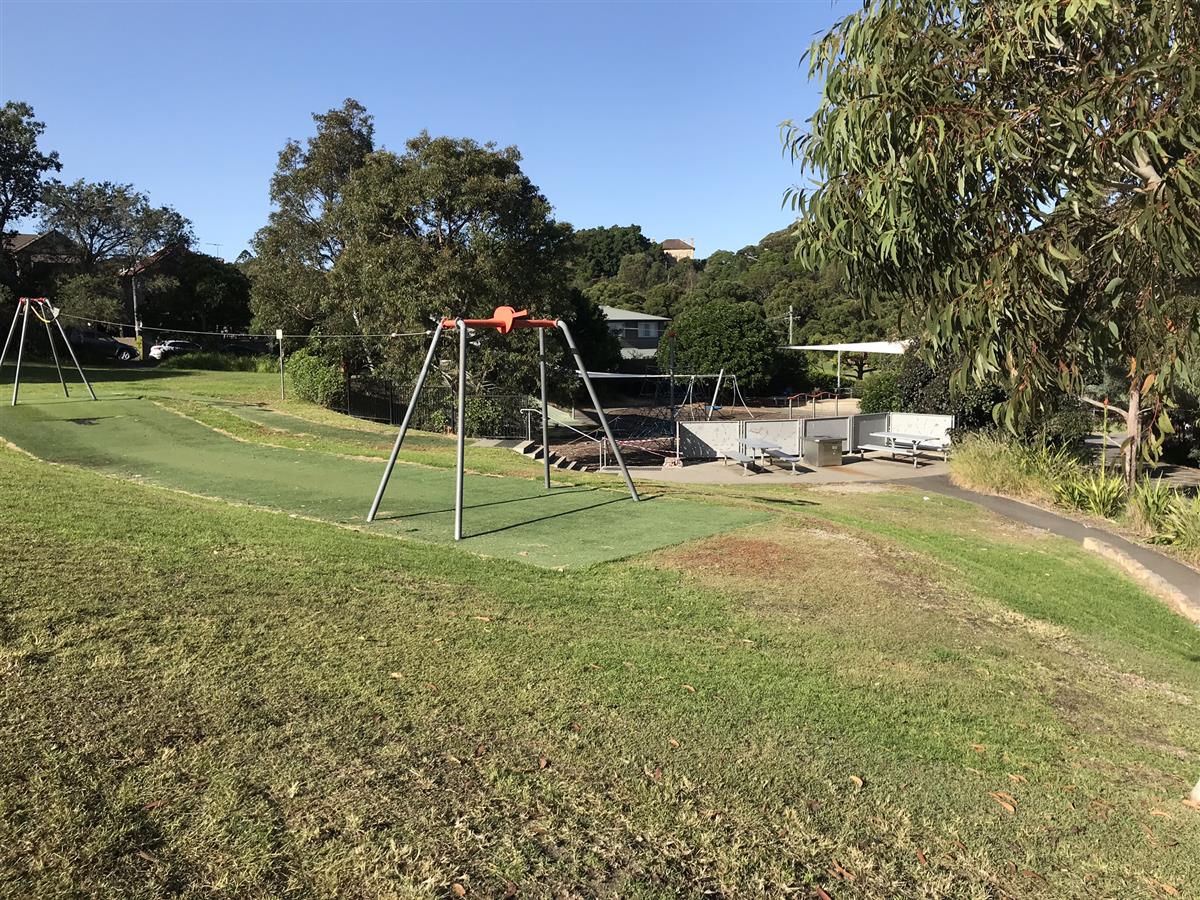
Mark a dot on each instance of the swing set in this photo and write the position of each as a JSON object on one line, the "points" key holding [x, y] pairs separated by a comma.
{"points": [[40, 306], [504, 320]]}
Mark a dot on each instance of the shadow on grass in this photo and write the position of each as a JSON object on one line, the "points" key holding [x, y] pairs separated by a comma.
{"points": [[565, 512], [433, 512]]}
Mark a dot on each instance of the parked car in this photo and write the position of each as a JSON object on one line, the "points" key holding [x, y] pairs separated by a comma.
{"points": [[163, 349], [98, 345]]}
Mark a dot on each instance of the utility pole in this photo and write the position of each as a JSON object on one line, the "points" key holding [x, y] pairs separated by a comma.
{"points": [[279, 338], [137, 325], [791, 320]]}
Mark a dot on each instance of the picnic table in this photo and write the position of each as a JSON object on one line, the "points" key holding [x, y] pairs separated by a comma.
{"points": [[762, 445], [901, 442]]}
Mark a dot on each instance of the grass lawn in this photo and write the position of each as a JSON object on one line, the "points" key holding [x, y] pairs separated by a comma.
{"points": [[857, 693]]}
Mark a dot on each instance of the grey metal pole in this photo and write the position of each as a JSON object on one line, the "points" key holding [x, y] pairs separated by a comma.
{"points": [[71, 350], [791, 321], [12, 329], [562, 326], [279, 338], [545, 405], [20, 353], [408, 414], [461, 425], [838, 396], [716, 391], [54, 353]]}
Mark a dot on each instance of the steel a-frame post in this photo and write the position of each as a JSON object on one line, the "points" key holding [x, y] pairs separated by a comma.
{"points": [[404, 423], [545, 405], [562, 326], [460, 426], [54, 353], [20, 353], [75, 359], [12, 329]]}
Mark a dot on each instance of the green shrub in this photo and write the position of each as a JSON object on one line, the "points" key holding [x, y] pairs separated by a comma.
{"points": [[879, 392], [1181, 524], [219, 362], [1149, 502], [313, 379], [1096, 492]]}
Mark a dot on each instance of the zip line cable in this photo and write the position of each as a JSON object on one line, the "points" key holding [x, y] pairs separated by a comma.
{"points": [[233, 334]]}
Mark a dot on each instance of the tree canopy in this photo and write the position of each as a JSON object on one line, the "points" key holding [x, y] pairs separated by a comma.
{"points": [[23, 165], [1022, 176], [111, 222], [729, 336], [301, 242]]}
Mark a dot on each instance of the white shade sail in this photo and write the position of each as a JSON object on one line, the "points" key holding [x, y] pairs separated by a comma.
{"points": [[893, 347]]}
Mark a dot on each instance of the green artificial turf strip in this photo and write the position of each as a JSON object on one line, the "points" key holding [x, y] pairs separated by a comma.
{"points": [[570, 525], [204, 699]]}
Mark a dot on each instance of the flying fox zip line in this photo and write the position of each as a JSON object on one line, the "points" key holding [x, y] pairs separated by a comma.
{"points": [[38, 304], [504, 320]]}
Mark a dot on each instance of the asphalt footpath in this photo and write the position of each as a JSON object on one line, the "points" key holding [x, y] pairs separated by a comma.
{"points": [[1183, 578]]}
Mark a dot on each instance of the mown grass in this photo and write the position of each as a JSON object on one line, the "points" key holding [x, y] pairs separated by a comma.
{"points": [[869, 694]]}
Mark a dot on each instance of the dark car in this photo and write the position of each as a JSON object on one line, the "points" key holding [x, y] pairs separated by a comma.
{"points": [[98, 345]]}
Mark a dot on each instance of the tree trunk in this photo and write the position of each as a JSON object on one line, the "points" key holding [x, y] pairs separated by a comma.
{"points": [[1133, 427]]}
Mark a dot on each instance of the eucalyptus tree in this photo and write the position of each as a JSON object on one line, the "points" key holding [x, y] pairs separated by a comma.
{"points": [[1025, 175], [23, 164], [296, 250]]}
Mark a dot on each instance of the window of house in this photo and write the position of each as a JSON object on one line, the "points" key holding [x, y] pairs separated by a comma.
{"points": [[648, 329]]}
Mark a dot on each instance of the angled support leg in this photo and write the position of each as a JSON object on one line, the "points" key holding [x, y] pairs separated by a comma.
{"points": [[20, 354], [545, 405], [408, 414], [54, 353], [12, 329], [562, 326], [71, 350], [460, 427]]}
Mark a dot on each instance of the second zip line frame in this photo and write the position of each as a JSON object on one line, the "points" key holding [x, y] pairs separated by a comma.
{"points": [[45, 312]]}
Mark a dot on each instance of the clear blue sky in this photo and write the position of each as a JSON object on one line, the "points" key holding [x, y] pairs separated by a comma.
{"points": [[664, 115]]}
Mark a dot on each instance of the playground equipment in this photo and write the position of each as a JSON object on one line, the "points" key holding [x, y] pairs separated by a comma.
{"points": [[504, 320], [40, 305]]}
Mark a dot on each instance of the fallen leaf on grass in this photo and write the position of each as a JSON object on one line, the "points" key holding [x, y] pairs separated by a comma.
{"points": [[840, 871], [543, 763], [921, 858], [458, 890], [820, 892], [979, 748], [1160, 813], [153, 804], [396, 675], [1005, 801], [576, 727], [510, 889], [1193, 804], [674, 743], [482, 618], [1016, 779], [688, 688], [480, 749], [858, 782]]}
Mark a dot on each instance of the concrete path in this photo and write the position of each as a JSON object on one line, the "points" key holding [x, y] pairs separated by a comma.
{"points": [[1183, 578], [877, 469]]}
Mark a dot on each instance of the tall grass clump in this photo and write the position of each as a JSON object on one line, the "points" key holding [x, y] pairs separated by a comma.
{"points": [[999, 465], [1148, 505], [1097, 493], [1181, 523], [220, 362]]}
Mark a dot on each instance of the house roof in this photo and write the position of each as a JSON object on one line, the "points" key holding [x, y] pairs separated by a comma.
{"points": [[16, 242], [616, 314], [150, 261], [677, 244]]}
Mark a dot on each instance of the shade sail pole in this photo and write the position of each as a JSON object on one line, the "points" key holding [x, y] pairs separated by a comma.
{"points": [[408, 414], [20, 354]]}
